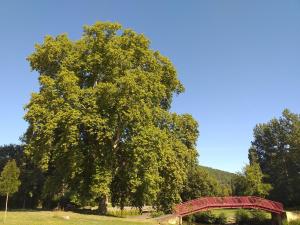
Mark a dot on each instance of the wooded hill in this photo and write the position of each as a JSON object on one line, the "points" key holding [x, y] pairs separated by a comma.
{"points": [[223, 177]]}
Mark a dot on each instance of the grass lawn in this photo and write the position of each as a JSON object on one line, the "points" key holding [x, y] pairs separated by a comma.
{"points": [[57, 218], [230, 213]]}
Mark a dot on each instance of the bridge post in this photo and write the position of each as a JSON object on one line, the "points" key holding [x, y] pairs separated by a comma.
{"points": [[277, 219], [180, 220]]}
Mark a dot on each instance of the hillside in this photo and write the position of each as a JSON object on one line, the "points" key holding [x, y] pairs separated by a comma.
{"points": [[223, 177]]}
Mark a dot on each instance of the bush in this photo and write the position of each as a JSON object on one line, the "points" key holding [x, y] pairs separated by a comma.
{"points": [[154, 214], [205, 217], [208, 217], [242, 217], [258, 216], [253, 217], [190, 219], [221, 219]]}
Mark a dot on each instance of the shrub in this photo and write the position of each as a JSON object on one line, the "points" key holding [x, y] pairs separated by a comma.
{"points": [[242, 217], [253, 217], [205, 217], [258, 216], [221, 219], [154, 214], [190, 219]]}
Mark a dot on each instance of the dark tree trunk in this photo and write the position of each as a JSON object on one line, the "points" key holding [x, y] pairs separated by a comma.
{"points": [[102, 205]]}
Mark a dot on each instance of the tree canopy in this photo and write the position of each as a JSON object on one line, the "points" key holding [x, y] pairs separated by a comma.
{"points": [[276, 147], [250, 182], [9, 179], [100, 124], [200, 183]]}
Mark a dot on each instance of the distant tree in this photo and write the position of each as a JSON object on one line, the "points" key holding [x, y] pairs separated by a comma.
{"points": [[223, 177], [250, 182], [9, 181], [276, 147], [200, 184], [101, 124], [31, 177], [254, 181], [239, 185], [9, 152]]}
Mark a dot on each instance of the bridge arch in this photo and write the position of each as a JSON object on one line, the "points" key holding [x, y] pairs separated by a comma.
{"points": [[246, 202]]}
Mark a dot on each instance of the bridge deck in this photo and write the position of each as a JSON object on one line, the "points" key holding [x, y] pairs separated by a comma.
{"points": [[207, 203]]}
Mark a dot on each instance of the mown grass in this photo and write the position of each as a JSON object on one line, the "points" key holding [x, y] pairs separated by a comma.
{"points": [[61, 218]]}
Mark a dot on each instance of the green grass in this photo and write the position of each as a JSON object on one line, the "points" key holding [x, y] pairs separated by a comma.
{"points": [[57, 218], [231, 212], [227, 212], [123, 213]]}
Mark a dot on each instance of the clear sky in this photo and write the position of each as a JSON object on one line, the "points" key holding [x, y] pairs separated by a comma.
{"points": [[239, 60]]}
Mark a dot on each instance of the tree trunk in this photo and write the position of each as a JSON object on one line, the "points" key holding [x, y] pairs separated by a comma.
{"points": [[24, 202], [5, 207], [102, 205]]}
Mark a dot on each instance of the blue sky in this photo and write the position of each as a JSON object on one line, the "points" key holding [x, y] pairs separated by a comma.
{"points": [[239, 60]]}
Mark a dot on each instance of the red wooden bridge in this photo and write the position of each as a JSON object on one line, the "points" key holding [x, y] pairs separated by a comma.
{"points": [[208, 203]]}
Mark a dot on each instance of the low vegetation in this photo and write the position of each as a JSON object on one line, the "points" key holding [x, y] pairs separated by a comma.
{"points": [[225, 216], [156, 214], [117, 212], [208, 218], [293, 222], [253, 217]]}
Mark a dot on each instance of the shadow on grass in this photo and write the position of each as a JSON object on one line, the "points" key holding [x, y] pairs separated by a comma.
{"points": [[74, 210]]}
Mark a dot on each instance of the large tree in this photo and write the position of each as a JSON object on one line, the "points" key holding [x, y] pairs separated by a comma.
{"points": [[276, 147], [100, 124]]}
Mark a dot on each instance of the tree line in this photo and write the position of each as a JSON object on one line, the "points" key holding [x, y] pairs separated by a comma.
{"points": [[265, 176], [276, 148], [274, 156]]}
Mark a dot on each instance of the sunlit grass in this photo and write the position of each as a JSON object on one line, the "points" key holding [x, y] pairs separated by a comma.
{"points": [[66, 218]]}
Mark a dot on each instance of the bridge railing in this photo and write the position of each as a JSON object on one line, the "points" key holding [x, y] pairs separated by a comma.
{"points": [[206, 203]]}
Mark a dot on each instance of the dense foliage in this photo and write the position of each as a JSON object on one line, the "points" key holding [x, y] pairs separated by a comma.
{"points": [[9, 179], [31, 178], [200, 183], [250, 182], [253, 217], [100, 124], [276, 147], [9, 182], [224, 178], [206, 217]]}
